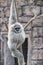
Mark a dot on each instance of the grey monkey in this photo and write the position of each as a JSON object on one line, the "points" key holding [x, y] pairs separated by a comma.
{"points": [[16, 35]]}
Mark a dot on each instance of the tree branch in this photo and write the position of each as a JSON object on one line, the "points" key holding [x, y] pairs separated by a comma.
{"points": [[28, 24], [32, 20]]}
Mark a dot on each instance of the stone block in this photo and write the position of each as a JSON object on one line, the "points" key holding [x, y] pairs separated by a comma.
{"points": [[19, 12], [4, 3], [38, 21], [24, 19], [37, 43], [4, 29], [1, 14], [41, 10], [21, 2], [7, 13], [31, 10], [27, 11]]}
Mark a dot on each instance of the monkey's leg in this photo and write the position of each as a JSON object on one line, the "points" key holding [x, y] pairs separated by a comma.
{"points": [[20, 49], [19, 55]]}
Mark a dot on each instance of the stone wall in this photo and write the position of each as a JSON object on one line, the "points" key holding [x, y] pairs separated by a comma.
{"points": [[25, 13]]}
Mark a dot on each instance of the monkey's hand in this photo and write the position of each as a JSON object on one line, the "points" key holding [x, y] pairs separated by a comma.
{"points": [[19, 45]]}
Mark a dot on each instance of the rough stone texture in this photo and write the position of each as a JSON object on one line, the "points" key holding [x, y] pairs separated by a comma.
{"points": [[8, 59], [25, 13]]}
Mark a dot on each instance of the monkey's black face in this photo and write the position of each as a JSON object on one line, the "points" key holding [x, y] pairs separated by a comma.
{"points": [[17, 28]]}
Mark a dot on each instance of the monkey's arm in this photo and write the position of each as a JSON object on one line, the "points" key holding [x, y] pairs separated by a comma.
{"points": [[19, 45], [13, 14]]}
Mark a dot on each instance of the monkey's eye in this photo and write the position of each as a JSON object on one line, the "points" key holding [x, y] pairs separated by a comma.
{"points": [[17, 27]]}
